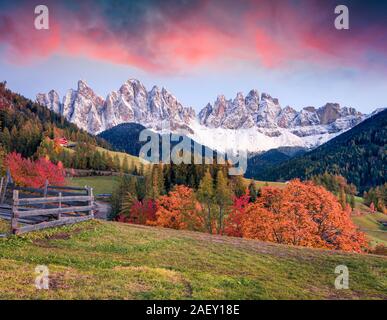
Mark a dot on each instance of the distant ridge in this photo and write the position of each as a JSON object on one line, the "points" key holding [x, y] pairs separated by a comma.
{"points": [[360, 155]]}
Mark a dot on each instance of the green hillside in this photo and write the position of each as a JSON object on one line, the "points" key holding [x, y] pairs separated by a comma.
{"points": [[132, 160], [122, 156], [24, 124], [106, 260], [370, 224]]}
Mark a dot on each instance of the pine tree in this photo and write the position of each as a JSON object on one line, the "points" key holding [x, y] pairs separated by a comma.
{"points": [[127, 203], [205, 195], [352, 201], [167, 178], [153, 182], [223, 198], [152, 186], [6, 139], [117, 162], [160, 180], [125, 165], [127, 186], [253, 191], [109, 161], [14, 145], [238, 186], [2, 159], [343, 198]]}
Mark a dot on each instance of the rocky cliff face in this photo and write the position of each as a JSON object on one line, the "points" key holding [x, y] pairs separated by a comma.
{"points": [[50, 100], [259, 116], [131, 103]]}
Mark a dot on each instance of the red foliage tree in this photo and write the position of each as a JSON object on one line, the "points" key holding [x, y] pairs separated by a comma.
{"points": [[233, 222], [28, 173], [140, 212]]}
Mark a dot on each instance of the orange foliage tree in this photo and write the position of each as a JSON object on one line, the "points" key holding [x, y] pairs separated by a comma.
{"points": [[302, 214], [179, 210]]}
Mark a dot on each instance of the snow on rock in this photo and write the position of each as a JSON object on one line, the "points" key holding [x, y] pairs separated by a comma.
{"points": [[50, 100]]}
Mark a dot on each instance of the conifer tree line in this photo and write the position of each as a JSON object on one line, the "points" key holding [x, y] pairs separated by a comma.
{"points": [[375, 198], [212, 184]]}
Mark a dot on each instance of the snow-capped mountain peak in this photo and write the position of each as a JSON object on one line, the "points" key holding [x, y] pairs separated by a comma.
{"points": [[130, 103], [254, 122]]}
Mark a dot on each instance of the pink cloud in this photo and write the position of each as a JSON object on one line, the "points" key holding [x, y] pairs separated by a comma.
{"points": [[262, 32]]}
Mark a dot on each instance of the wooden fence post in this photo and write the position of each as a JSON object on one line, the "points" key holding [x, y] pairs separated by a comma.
{"points": [[60, 205], [1, 187], [8, 181], [91, 200], [45, 192], [15, 213]]}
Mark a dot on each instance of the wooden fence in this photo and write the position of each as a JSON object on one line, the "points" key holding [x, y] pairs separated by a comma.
{"points": [[30, 209]]}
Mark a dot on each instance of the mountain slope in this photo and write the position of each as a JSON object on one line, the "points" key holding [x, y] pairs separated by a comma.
{"points": [[106, 260], [253, 123], [258, 163], [125, 137], [359, 154], [24, 124]]}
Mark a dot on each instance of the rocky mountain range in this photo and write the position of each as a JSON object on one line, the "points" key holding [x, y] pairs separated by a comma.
{"points": [[265, 112], [130, 103], [254, 123]]}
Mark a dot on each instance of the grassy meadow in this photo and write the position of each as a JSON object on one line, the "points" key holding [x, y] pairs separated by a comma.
{"points": [[100, 184], [368, 223], [108, 260]]}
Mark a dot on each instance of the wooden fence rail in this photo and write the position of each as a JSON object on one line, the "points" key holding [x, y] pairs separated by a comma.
{"points": [[30, 209]]}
